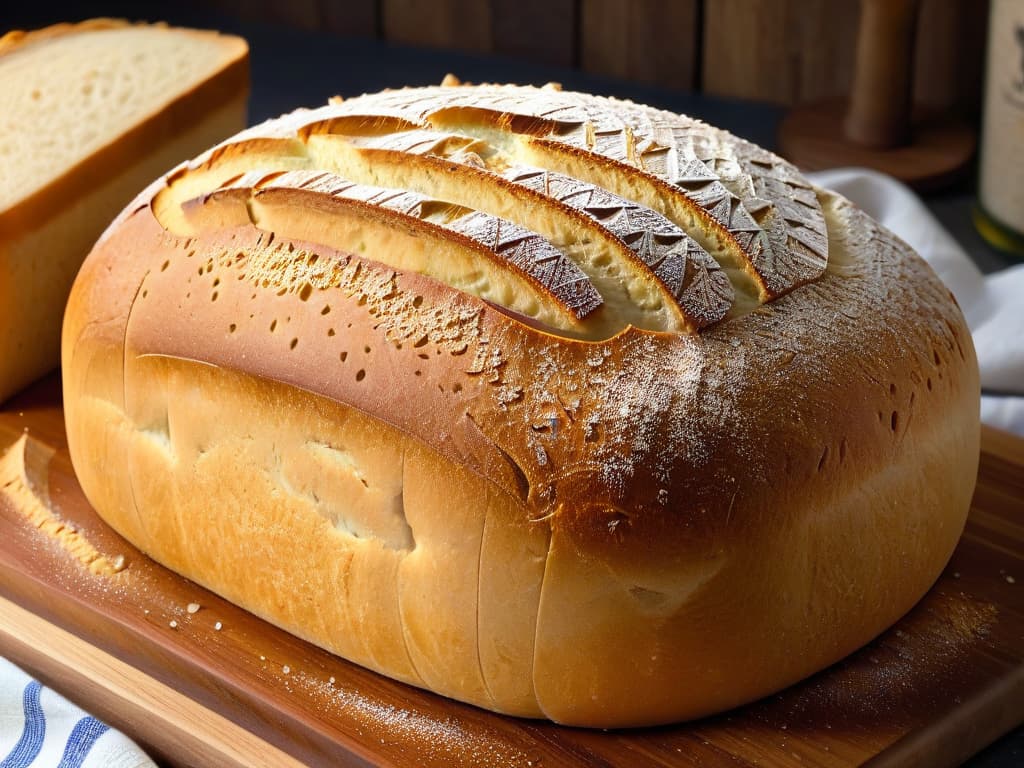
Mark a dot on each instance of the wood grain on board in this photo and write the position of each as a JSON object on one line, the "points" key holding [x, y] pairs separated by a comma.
{"points": [[940, 685]]}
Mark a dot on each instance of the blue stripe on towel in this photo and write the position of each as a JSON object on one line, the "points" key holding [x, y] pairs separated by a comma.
{"points": [[31, 741], [82, 737]]}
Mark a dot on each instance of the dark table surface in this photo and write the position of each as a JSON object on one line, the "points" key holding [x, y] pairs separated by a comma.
{"points": [[296, 68]]}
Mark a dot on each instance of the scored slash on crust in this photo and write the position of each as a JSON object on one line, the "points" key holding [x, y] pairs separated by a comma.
{"points": [[322, 207], [639, 146], [650, 270], [615, 214]]}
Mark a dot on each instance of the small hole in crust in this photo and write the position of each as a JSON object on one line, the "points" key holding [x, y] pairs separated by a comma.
{"points": [[456, 388], [330, 331], [305, 292], [326, 310], [892, 390], [165, 265], [935, 357], [343, 356], [929, 383], [419, 373], [421, 342], [216, 282], [232, 328], [894, 420], [366, 349], [273, 325], [417, 302], [294, 344], [360, 374], [214, 296], [145, 293], [649, 599]]}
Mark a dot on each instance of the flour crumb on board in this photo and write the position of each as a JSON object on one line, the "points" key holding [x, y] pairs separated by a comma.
{"points": [[172, 624], [218, 626], [448, 740], [192, 607]]}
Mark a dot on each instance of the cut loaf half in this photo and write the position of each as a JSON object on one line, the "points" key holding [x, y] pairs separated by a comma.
{"points": [[89, 114]]}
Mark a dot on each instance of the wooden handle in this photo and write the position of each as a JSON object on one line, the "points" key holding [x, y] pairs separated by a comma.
{"points": [[880, 99]]}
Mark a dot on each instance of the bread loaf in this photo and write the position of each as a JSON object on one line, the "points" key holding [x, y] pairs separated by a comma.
{"points": [[555, 404], [89, 114]]}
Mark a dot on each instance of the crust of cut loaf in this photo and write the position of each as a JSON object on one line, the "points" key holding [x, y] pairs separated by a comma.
{"points": [[123, 151], [46, 235], [627, 532]]}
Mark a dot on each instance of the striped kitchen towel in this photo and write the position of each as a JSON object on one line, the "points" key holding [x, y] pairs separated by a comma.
{"points": [[42, 729]]}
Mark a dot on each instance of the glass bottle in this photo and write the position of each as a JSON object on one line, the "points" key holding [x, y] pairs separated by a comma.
{"points": [[999, 214]]}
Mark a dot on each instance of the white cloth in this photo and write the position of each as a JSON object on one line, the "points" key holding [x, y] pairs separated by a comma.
{"points": [[41, 729], [992, 304]]}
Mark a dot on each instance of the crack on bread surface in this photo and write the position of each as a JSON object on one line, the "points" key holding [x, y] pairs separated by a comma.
{"points": [[339, 487]]}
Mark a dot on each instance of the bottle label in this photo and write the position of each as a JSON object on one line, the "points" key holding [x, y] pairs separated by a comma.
{"points": [[1002, 155]]}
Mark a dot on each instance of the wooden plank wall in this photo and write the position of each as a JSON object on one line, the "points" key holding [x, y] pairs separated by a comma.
{"points": [[783, 51]]}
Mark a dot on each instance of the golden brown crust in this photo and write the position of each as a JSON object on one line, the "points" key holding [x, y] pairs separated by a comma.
{"points": [[686, 521], [19, 38]]}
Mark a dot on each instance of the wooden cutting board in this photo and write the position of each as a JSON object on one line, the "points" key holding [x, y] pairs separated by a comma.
{"points": [[218, 686]]}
